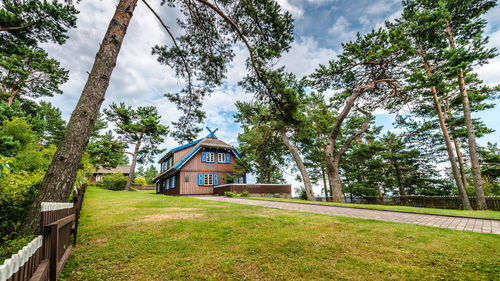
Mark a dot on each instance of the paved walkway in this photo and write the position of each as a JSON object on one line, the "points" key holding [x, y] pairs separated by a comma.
{"points": [[457, 223]]}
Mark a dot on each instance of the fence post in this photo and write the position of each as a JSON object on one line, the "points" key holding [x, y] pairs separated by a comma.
{"points": [[54, 247]]}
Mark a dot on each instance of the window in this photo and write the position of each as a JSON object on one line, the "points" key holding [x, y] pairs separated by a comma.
{"points": [[208, 179], [210, 157], [221, 157], [241, 179]]}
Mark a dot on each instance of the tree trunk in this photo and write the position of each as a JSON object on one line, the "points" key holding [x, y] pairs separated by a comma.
{"points": [[335, 181], [457, 148], [302, 168], [325, 188], [12, 95], [471, 135], [446, 135], [380, 196], [460, 159], [61, 174], [399, 175], [132, 166]]}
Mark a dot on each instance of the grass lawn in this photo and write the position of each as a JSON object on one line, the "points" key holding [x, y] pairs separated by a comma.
{"points": [[450, 212], [142, 236]]}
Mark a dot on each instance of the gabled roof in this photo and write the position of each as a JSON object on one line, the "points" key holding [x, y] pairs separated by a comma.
{"points": [[124, 169], [209, 141]]}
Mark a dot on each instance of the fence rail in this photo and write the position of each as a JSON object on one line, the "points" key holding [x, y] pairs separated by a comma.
{"points": [[44, 257], [440, 202], [253, 188]]}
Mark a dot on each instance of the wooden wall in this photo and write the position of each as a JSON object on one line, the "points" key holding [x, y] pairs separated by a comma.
{"points": [[178, 155], [194, 166]]}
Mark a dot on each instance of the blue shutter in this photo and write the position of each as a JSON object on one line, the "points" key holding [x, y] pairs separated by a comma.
{"points": [[200, 179], [173, 181], [203, 157], [228, 158], [216, 179]]}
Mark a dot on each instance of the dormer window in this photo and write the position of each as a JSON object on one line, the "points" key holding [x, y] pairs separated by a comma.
{"points": [[221, 157], [208, 157]]}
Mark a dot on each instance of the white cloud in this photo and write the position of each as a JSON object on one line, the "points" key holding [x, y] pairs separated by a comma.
{"points": [[305, 55], [342, 30], [294, 10]]}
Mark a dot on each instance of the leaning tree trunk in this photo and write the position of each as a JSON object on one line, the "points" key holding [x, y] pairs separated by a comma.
{"points": [[132, 166], [447, 140], [471, 136], [60, 177], [300, 164]]}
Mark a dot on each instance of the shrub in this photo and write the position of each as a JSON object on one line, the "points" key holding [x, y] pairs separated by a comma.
{"points": [[140, 180], [245, 193], [18, 189], [115, 181], [230, 194]]}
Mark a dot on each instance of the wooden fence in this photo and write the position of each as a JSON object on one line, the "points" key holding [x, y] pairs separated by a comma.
{"points": [[253, 188], [44, 257], [440, 202]]}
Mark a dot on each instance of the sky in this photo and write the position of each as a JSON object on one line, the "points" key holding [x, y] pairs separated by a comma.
{"points": [[139, 80]]}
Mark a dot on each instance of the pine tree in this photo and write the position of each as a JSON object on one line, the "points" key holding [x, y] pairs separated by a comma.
{"points": [[140, 128]]}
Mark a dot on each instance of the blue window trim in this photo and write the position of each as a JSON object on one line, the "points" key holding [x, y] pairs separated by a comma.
{"points": [[201, 179], [205, 152]]}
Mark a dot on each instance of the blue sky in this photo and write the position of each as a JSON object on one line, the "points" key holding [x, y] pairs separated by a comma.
{"points": [[138, 80]]}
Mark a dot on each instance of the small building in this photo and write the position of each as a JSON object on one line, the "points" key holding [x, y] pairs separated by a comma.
{"points": [[197, 167], [208, 166], [97, 176]]}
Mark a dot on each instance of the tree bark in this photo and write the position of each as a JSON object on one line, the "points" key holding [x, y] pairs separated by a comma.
{"points": [[12, 95], [457, 148], [399, 175], [300, 164], [325, 188], [60, 177], [471, 136], [446, 135], [332, 157], [132, 166]]}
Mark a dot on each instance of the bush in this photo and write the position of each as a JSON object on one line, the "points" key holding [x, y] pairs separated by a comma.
{"points": [[18, 189], [140, 180], [245, 193], [13, 246], [230, 194], [115, 181]]}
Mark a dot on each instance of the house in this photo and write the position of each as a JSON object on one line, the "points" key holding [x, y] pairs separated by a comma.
{"points": [[208, 166], [97, 176], [197, 167]]}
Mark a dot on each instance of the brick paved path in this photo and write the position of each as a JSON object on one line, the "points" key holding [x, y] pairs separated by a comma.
{"points": [[458, 223]]}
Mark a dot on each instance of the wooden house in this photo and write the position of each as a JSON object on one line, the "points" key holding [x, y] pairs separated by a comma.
{"points": [[97, 175], [196, 168]]}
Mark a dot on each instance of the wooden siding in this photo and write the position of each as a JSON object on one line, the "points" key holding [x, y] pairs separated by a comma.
{"points": [[254, 188], [195, 164], [172, 191], [192, 187], [178, 155]]}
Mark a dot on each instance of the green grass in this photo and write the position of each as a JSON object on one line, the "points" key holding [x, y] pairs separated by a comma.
{"points": [[142, 236], [449, 212]]}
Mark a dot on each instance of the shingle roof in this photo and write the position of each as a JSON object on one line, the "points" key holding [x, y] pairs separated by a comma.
{"points": [[124, 169]]}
